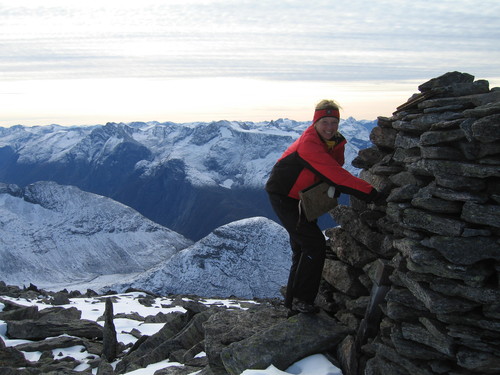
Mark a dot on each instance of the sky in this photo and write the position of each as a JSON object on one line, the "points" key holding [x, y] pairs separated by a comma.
{"points": [[97, 61], [93, 308]]}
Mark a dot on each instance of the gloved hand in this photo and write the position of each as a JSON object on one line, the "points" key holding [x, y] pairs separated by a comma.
{"points": [[377, 197]]}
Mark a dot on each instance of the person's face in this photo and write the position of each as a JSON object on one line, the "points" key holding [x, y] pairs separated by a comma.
{"points": [[327, 127]]}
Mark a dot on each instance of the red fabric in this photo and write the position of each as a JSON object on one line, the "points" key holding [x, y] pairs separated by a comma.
{"points": [[320, 113], [321, 164]]}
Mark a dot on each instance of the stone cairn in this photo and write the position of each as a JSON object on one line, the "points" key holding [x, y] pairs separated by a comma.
{"points": [[418, 278]]}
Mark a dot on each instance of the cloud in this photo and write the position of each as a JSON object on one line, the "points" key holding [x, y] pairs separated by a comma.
{"points": [[285, 40], [319, 47]]}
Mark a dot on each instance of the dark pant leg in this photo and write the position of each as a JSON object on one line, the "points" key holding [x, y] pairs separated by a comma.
{"points": [[308, 247], [296, 254]]}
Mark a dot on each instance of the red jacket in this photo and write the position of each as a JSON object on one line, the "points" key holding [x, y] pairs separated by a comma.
{"points": [[307, 161]]}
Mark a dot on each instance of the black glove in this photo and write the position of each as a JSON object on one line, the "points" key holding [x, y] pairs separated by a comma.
{"points": [[376, 197], [379, 198]]}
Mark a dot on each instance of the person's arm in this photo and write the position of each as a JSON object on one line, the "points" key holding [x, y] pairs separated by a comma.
{"points": [[324, 165]]}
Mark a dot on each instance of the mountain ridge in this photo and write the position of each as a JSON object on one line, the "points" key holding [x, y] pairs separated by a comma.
{"points": [[51, 233], [58, 236], [191, 178]]}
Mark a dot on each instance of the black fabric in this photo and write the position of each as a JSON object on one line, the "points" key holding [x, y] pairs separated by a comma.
{"points": [[285, 173], [308, 250]]}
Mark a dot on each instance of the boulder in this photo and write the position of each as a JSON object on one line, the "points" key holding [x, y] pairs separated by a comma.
{"points": [[41, 329], [230, 326], [284, 343]]}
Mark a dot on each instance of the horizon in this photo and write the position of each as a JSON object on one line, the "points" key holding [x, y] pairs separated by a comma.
{"points": [[155, 122], [90, 63]]}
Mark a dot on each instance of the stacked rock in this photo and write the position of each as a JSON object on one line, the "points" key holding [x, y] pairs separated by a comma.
{"points": [[418, 278]]}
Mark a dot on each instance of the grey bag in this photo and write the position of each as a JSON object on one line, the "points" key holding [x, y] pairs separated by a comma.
{"points": [[317, 200]]}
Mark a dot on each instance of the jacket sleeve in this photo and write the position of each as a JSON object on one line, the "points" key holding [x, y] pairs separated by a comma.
{"points": [[328, 169]]}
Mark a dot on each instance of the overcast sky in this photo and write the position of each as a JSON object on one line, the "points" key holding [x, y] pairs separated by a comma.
{"points": [[94, 61]]}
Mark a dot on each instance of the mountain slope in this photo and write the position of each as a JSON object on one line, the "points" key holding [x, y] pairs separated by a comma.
{"points": [[53, 234], [249, 258]]}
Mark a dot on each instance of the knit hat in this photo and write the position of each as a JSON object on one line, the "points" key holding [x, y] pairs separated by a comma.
{"points": [[330, 112]]}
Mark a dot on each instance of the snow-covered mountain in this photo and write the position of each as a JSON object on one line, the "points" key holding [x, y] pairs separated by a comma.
{"points": [[204, 178], [191, 178], [248, 258], [52, 234], [57, 236]]}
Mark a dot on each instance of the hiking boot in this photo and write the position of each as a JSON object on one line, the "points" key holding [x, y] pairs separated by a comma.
{"points": [[304, 307]]}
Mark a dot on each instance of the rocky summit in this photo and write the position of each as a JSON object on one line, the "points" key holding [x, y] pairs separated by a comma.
{"points": [[233, 337]]}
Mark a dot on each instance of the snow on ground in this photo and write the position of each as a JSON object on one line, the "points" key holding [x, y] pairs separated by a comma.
{"points": [[93, 308]]}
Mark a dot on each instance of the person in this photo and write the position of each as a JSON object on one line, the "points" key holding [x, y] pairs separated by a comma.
{"points": [[317, 155]]}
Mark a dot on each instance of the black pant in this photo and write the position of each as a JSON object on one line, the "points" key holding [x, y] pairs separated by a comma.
{"points": [[308, 250]]}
